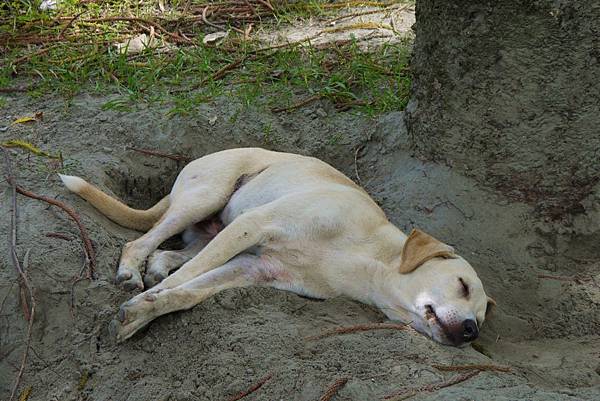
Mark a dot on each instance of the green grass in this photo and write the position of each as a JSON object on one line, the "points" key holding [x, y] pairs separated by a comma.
{"points": [[86, 60]]}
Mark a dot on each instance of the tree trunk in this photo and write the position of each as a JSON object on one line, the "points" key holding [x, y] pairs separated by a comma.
{"points": [[509, 92]]}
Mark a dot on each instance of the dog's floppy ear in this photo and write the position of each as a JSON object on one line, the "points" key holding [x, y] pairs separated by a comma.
{"points": [[419, 248]]}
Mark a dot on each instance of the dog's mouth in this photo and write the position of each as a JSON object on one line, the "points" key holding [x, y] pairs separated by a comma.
{"points": [[430, 315], [435, 323], [443, 332]]}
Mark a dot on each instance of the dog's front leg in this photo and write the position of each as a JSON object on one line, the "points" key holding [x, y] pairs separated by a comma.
{"points": [[248, 230], [161, 263], [242, 271]]}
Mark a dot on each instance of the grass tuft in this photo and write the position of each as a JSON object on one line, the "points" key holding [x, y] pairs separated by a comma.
{"points": [[72, 50]]}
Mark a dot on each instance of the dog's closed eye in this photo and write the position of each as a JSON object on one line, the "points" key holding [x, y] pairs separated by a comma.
{"points": [[464, 288]]}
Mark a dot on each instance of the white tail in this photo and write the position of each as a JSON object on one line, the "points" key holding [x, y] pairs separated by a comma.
{"points": [[117, 211]]}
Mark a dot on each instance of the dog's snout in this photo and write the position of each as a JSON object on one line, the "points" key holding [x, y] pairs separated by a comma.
{"points": [[470, 330]]}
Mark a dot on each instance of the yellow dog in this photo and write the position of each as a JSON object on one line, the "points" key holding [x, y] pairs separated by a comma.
{"points": [[253, 217]]}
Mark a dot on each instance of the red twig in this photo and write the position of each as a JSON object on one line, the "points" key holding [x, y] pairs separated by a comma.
{"points": [[59, 236], [221, 73], [295, 106], [21, 271], [333, 389], [579, 278], [429, 388], [15, 89], [358, 328], [480, 368], [87, 243], [155, 24], [177, 158], [252, 389]]}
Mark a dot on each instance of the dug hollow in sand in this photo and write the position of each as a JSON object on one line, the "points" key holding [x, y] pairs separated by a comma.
{"points": [[253, 217]]}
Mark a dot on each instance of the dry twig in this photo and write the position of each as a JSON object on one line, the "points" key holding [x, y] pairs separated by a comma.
{"points": [[358, 328], [21, 270], [481, 368], [87, 243], [429, 388], [356, 152], [59, 236], [578, 279], [177, 158], [252, 389], [362, 13], [16, 89], [223, 71], [333, 389], [295, 106], [177, 38]]}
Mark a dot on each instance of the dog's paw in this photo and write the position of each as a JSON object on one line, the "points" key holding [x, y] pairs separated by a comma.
{"points": [[153, 278], [134, 315], [159, 265], [129, 279]]}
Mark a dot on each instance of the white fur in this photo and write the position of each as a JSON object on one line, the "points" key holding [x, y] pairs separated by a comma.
{"points": [[73, 183], [296, 224]]}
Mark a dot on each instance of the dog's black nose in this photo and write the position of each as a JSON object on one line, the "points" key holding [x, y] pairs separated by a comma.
{"points": [[470, 330]]}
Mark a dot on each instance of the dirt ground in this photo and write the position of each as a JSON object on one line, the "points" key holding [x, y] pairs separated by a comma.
{"points": [[543, 274], [545, 329]]}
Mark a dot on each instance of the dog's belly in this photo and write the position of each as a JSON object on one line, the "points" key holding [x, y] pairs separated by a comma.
{"points": [[264, 187]]}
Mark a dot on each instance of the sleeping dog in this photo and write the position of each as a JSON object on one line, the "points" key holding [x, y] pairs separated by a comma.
{"points": [[253, 217]]}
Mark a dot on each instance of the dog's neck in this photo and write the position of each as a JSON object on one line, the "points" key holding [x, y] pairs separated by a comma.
{"points": [[392, 291]]}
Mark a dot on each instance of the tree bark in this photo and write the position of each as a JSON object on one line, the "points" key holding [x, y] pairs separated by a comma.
{"points": [[509, 92]]}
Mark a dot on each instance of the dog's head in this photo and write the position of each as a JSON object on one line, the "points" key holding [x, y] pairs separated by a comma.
{"points": [[439, 292]]}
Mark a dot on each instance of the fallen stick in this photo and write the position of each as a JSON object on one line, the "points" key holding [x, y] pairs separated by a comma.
{"points": [[252, 389], [359, 328], [177, 158], [23, 279], [221, 72], [333, 389], [358, 149], [16, 89], [430, 388], [295, 106], [59, 236], [141, 20], [360, 14], [481, 368], [87, 243], [24, 287], [29, 327], [578, 279]]}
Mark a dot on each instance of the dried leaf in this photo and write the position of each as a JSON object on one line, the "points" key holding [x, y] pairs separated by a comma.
{"points": [[22, 120], [213, 38], [135, 45], [142, 42], [48, 5], [24, 396], [17, 143]]}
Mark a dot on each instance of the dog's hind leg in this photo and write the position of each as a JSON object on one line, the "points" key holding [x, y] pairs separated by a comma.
{"points": [[242, 271], [161, 263], [246, 231], [186, 209]]}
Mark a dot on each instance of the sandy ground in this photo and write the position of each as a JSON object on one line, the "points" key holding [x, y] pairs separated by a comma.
{"points": [[545, 329], [369, 26]]}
